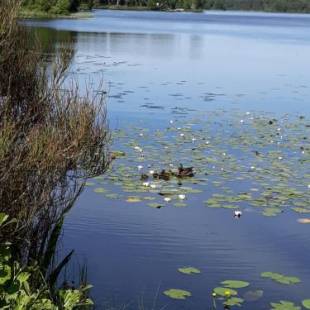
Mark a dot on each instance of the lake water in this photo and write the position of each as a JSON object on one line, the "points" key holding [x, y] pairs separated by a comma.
{"points": [[204, 75]]}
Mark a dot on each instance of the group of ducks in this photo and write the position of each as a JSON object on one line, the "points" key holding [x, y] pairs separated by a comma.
{"points": [[181, 172], [165, 175]]}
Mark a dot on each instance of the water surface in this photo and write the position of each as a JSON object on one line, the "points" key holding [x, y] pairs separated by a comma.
{"points": [[159, 67]]}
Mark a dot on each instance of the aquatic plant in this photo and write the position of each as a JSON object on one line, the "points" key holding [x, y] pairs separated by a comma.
{"points": [[177, 293], [189, 270], [280, 278], [284, 305]]}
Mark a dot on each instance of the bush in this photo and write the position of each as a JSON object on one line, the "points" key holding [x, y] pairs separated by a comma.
{"points": [[51, 139]]}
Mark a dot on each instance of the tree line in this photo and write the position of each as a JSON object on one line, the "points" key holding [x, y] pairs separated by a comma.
{"points": [[252, 5], [58, 6]]}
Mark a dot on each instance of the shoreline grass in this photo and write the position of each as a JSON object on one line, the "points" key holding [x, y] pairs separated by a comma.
{"points": [[25, 13]]}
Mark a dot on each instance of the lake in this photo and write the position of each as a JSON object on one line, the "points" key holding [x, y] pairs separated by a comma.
{"points": [[227, 93]]}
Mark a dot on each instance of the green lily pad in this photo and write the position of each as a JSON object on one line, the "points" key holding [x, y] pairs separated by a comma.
{"points": [[235, 284], [99, 190], [284, 305], [189, 270], [280, 278], [233, 301], [133, 199], [224, 291], [177, 293], [272, 211], [306, 303]]}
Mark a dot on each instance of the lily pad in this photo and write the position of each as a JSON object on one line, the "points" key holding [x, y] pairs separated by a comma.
{"points": [[224, 291], [189, 270], [284, 305], [280, 278], [177, 293], [99, 190], [235, 284], [133, 199], [306, 303], [234, 301]]}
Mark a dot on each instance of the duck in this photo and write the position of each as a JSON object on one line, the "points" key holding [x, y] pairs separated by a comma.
{"points": [[185, 172], [163, 175]]}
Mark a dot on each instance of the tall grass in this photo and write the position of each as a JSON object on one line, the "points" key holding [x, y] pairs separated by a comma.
{"points": [[51, 139]]}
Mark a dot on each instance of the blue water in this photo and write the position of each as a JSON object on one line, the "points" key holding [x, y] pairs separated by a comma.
{"points": [[152, 62]]}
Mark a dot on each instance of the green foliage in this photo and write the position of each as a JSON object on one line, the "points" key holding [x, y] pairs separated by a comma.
{"points": [[248, 5], [58, 7], [25, 287]]}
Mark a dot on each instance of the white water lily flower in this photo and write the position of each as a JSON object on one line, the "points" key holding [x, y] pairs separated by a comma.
{"points": [[280, 157], [194, 139], [252, 167], [207, 142], [141, 134], [151, 172], [171, 122], [179, 128], [309, 186], [138, 148], [140, 167], [241, 121], [167, 199], [153, 185], [248, 113], [146, 184], [181, 134], [182, 196], [237, 214]]}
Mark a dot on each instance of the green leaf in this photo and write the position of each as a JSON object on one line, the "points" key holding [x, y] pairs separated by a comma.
{"points": [[3, 218], [224, 291], [235, 284], [284, 305], [234, 301], [189, 270], [280, 278], [23, 277], [177, 293], [306, 303]]}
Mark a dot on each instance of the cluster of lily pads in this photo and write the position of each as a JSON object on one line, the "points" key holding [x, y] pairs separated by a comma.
{"points": [[245, 161], [241, 160], [228, 292]]}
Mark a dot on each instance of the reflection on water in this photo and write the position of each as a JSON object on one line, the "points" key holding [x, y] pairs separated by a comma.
{"points": [[159, 66]]}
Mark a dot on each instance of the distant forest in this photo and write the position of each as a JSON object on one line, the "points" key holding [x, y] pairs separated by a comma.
{"points": [[66, 6], [248, 5], [58, 6]]}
